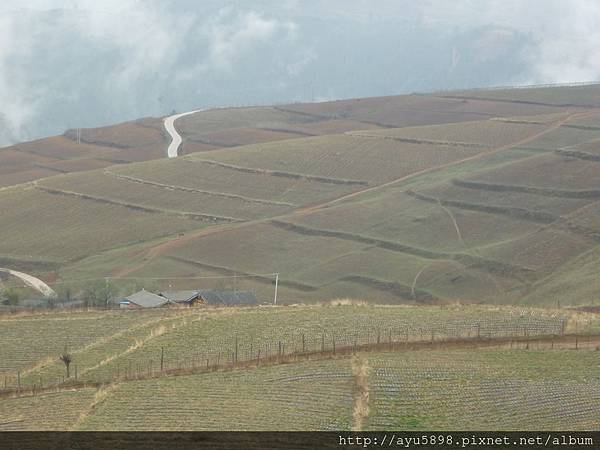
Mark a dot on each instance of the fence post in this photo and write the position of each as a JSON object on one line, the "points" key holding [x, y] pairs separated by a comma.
{"points": [[18, 381], [333, 342], [478, 330], [303, 344], [576, 342], [322, 342], [378, 337], [162, 358], [236, 349], [75, 373], [258, 357]]}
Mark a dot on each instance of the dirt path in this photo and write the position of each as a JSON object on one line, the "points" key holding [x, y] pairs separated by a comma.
{"points": [[360, 412], [160, 249]]}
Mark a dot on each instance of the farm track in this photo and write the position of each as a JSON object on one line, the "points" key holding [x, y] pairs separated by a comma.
{"points": [[196, 191], [43, 155], [545, 342], [546, 192], [327, 118], [146, 209], [416, 141], [100, 143], [520, 102], [585, 156], [278, 173], [161, 248], [582, 127], [230, 272], [288, 131], [508, 211], [217, 144], [398, 289], [52, 169]]}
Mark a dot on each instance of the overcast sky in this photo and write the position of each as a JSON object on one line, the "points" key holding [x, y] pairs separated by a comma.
{"points": [[87, 63]]}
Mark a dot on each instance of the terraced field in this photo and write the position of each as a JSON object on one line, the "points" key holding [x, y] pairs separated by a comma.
{"points": [[416, 110], [342, 157], [68, 221], [488, 133], [451, 389], [105, 345], [46, 412], [201, 176], [167, 198], [582, 95], [32, 340], [504, 390], [310, 396]]}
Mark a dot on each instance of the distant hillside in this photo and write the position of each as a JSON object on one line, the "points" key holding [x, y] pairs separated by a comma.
{"points": [[480, 196]]}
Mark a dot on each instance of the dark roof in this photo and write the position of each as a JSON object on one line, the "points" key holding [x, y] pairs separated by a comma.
{"points": [[180, 296], [146, 299], [228, 298]]}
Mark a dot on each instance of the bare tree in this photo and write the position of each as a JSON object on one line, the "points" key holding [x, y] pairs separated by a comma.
{"points": [[67, 359]]}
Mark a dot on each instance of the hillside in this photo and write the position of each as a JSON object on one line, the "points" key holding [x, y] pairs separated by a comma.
{"points": [[483, 197]]}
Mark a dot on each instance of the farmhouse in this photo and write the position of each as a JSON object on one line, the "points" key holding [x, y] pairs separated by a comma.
{"points": [[182, 298], [210, 298], [143, 299]]}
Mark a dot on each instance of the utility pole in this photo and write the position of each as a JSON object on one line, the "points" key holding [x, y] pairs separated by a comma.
{"points": [[78, 135], [276, 286]]}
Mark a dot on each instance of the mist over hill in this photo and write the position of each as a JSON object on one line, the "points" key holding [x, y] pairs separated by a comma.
{"points": [[83, 64]]}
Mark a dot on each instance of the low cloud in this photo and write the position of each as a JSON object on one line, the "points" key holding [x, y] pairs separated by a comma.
{"points": [[88, 63]]}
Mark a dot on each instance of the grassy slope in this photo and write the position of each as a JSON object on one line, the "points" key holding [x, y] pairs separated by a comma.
{"points": [[488, 229]]}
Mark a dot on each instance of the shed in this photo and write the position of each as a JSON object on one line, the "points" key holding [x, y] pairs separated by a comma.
{"points": [[228, 298], [143, 299], [184, 298]]}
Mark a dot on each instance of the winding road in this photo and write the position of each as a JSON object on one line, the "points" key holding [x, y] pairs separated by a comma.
{"points": [[31, 281], [169, 123]]}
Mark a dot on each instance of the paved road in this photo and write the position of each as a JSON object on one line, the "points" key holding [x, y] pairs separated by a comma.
{"points": [[169, 122], [31, 281]]}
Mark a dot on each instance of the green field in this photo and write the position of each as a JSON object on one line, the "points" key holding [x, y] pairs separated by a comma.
{"points": [[515, 389], [106, 343]]}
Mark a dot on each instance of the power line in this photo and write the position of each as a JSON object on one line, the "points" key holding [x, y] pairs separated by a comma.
{"points": [[161, 278]]}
